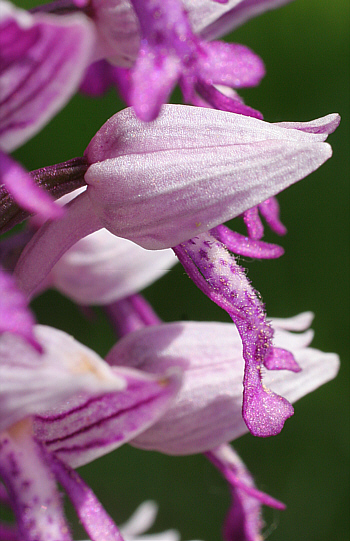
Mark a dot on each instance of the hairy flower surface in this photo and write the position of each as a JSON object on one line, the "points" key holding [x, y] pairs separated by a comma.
{"points": [[207, 411], [139, 189], [163, 43], [31, 383], [162, 183]]}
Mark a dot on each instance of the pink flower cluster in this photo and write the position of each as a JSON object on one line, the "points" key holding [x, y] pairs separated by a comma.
{"points": [[154, 186]]}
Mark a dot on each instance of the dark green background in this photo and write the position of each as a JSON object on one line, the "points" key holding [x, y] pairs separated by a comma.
{"points": [[305, 48]]}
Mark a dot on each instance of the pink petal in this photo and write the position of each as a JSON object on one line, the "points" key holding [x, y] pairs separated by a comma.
{"points": [[195, 168], [52, 240], [92, 515], [43, 60], [216, 273], [103, 268], [244, 521], [208, 409], [33, 382], [85, 428]]}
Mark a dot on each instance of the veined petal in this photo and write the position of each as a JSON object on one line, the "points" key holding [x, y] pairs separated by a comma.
{"points": [[195, 168], [15, 316], [212, 20], [102, 268], [161, 183], [31, 383], [208, 409], [118, 31], [43, 58], [322, 126], [85, 428]]}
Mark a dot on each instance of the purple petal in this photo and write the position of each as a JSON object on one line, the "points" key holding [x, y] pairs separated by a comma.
{"points": [[97, 523], [217, 274], [15, 316], [97, 79], [281, 359], [219, 100], [270, 210], [24, 190], [32, 383], [316, 369], [167, 42], [240, 245], [43, 60], [153, 79], [83, 429], [243, 521], [35, 499], [123, 82], [229, 64], [228, 163], [130, 314], [253, 223]]}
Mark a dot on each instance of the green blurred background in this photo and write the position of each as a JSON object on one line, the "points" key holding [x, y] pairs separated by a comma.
{"points": [[306, 50]]}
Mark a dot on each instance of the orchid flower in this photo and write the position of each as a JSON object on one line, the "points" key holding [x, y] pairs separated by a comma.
{"points": [[206, 412], [30, 384], [163, 49], [167, 42], [162, 183], [43, 59], [244, 519], [229, 163]]}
